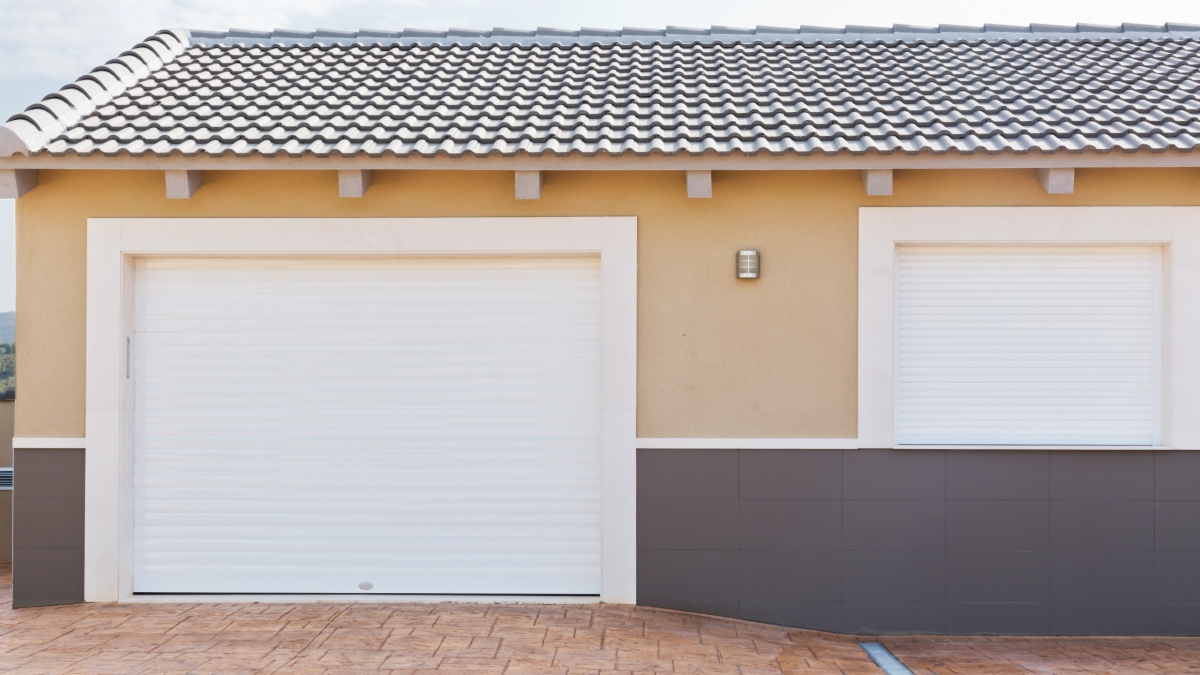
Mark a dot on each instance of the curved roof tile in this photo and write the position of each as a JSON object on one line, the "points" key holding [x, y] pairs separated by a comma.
{"points": [[722, 90]]}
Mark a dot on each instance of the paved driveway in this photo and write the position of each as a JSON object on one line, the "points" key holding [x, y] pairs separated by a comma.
{"points": [[331, 639]]}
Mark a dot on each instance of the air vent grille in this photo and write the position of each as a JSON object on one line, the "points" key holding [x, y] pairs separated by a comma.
{"points": [[6, 479]]}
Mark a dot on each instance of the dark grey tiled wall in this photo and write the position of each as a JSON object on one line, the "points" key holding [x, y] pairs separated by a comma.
{"points": [[925, 541], [48, 527]]}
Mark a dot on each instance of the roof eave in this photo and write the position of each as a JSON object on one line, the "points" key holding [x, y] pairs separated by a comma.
{"points": [[1142, 158]]}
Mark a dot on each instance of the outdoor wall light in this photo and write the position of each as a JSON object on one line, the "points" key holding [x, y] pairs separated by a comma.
{"points": [[747, 264]]}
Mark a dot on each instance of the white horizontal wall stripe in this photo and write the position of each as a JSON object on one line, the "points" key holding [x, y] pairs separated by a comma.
{"points": [[747, 443], [839, 444], [26, 443]]}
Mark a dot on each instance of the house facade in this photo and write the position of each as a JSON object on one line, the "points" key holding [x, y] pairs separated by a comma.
{"points": [[867, 331]]}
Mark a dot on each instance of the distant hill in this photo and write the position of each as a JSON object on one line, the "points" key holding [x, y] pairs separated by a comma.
{"points": [[8, 360]]}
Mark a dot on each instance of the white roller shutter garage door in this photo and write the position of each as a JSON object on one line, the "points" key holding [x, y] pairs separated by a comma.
{"points": [[338, 426], [1047, 345]]}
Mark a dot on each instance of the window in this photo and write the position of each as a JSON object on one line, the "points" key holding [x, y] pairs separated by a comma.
{"points": [[1029, 327], [1027, 345]]}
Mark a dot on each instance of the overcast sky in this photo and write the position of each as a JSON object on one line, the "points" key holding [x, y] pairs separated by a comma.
{"points": [[47, 43]]}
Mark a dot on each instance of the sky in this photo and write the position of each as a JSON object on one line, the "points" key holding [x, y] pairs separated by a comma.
{"points": [[47, 43]]}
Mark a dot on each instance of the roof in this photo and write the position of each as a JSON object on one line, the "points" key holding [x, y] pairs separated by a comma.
{"points": [[720, 91]]}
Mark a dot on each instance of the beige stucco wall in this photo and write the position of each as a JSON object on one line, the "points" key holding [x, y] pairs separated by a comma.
{"points": [[717, 357]]}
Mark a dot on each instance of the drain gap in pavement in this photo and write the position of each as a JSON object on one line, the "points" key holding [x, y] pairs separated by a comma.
{"points": [[883, 658]]}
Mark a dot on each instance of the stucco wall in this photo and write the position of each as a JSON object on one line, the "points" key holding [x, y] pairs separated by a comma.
{"points": [[717, 357]]}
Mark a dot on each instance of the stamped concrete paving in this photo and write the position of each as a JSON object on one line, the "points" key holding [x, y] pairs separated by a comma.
{"points": [[331, 639], [1061, 656]]}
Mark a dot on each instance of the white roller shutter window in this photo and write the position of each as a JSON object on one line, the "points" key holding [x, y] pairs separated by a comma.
{"points": [[1048, 345], [413, 426]]}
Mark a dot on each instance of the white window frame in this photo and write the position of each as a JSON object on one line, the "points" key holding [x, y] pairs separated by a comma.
{"points": [[114, 244], [1176, 229]]}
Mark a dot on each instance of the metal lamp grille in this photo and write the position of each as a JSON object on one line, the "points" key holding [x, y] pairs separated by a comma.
{"points": [[747, 264], [6, 479]]}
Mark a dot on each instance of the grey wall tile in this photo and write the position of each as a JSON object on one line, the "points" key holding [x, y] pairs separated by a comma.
{"points": [[687, 524], [687, 474], [893, 525], [791, 474], [997, 526], [708, 576], [879, 618], [1102, 475], [794, 576], [5, 526], [893, 474], [48, 523], [811, 615], [1070, 564], [1102, 526], [48, 514], [894, 576], [1177, 619], [47, 576], [1177, 526], [1121, 577], [993, 576], [808, 525], [1088, 618], [997, 618], [49, 474], [1177, 577], [998, 474], [1177, 474], [727, 608]]}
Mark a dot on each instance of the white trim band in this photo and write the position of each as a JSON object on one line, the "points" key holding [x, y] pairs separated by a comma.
{"points": [[27, 443], [849, 444], [1006, 159], [747, 443]]}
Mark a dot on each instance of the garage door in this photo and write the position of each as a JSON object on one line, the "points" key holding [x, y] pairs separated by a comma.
{"points": [[392, 426], [1044, 345]]}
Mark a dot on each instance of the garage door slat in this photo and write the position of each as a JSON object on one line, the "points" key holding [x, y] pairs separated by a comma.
{"points": [[424, 425]]}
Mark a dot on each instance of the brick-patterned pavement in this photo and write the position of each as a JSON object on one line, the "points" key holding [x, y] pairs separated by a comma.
{"points": [[334, 639], [331, 639], [1058, 655]]}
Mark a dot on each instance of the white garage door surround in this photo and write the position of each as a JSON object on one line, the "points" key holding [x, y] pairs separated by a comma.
{"points": [[138, 536], [934, 279]]}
